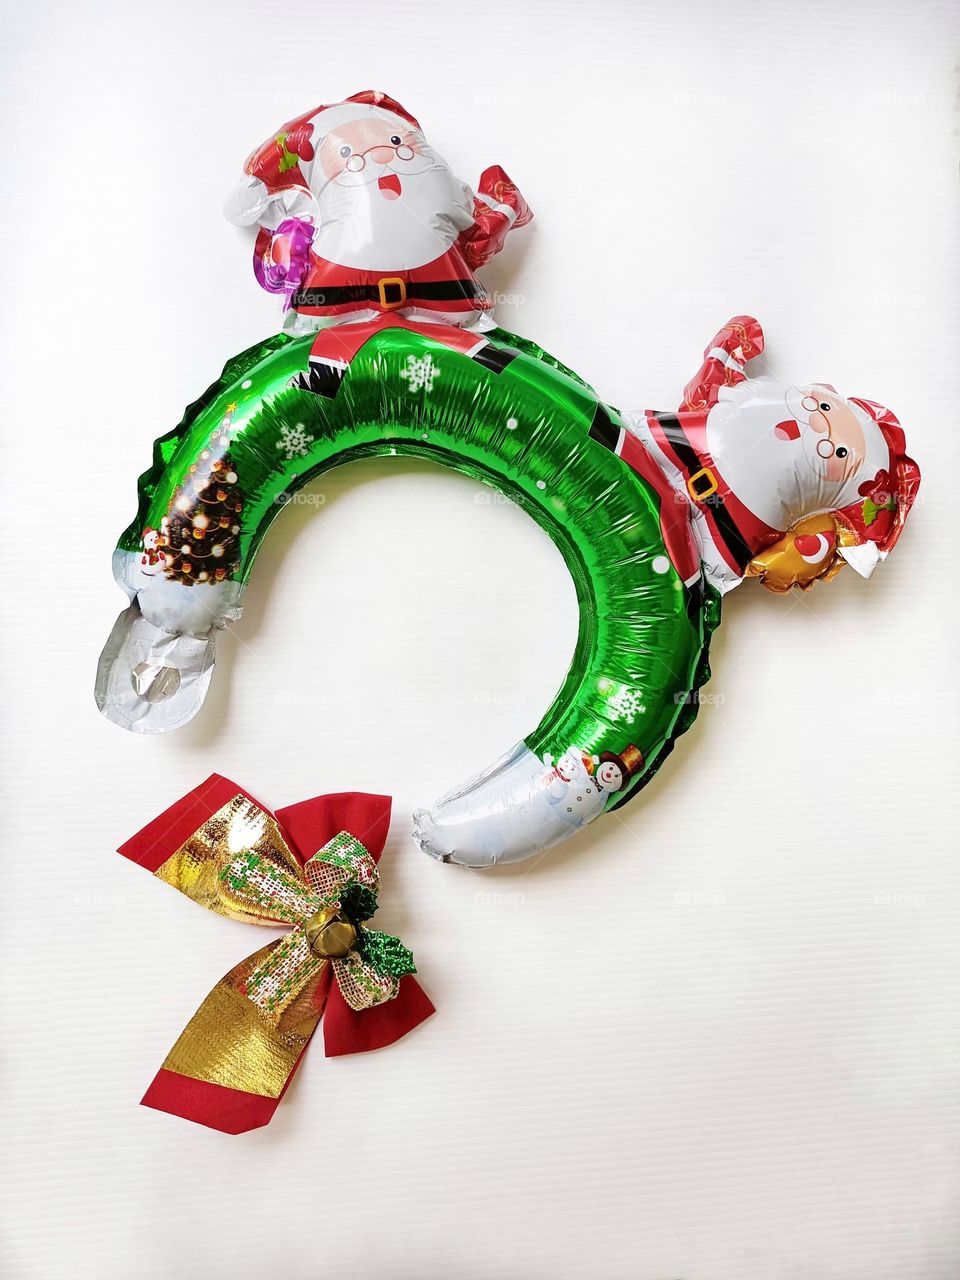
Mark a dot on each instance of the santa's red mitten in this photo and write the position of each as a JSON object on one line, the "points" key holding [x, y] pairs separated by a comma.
{"points": [[724, 361], [498, 207]]}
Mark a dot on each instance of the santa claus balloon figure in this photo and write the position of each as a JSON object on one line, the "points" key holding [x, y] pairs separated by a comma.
{"points": [[360, 219], [784, 483]]}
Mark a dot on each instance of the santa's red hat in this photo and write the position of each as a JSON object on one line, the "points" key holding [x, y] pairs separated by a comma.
{"points": [[282, 163], [877, 518]]}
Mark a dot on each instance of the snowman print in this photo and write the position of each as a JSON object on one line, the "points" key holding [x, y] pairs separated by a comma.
{"points": [[151, 560]]}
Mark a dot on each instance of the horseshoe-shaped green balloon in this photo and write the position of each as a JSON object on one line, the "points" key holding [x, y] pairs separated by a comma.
{"points": [[496, 408]]}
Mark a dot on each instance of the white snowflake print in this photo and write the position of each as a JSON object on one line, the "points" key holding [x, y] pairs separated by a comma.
{"points": [[421, 373], [626, 704], [294, 441]]}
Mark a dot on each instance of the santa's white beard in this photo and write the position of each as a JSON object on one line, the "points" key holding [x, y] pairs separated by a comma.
{"points": [[360, 227]]}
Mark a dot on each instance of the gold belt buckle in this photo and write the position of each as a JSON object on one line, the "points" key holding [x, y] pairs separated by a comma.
{"points": [[698, 494], [382, 287]]}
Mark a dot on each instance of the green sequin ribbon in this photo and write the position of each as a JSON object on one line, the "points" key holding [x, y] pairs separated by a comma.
{"points": [[335, 895]]}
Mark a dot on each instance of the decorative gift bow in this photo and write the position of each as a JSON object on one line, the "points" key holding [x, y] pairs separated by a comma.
{"points": [[238, 1053]]}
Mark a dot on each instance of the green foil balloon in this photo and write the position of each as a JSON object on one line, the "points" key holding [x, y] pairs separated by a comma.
{"points": [[495, 408]]}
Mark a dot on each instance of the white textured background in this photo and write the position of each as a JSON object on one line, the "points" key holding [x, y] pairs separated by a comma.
{"points": [[714, 1040]]}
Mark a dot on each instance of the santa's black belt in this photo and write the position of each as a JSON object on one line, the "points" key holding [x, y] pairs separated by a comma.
{"points": [[702, 487], [390, 291]]}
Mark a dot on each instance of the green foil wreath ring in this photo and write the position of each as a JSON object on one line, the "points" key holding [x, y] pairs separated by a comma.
{"points": [[504, 415]]}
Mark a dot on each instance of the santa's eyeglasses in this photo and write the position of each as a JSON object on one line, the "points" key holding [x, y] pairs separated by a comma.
{"points": [[825, 448], [356, 160]]}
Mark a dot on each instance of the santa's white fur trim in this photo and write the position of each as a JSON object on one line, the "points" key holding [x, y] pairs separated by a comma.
{"points": [[245, 203], [863, 558], [331, 118]]}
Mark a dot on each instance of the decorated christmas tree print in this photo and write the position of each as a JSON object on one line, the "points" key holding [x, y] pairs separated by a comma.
{"points": [[199, 537]]}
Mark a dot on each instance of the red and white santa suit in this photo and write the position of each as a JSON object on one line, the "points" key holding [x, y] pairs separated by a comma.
{"points": [[360, 218]]}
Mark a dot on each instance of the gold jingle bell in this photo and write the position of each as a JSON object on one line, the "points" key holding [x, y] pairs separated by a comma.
{"points": [[330, 934]]}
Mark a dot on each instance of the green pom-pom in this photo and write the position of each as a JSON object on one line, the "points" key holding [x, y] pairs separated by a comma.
{"points": [[386, 954], [358, 902]]}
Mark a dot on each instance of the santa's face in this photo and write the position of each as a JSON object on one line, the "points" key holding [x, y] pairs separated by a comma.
{"points": [[374, 151], [788, 452], [610, 776], [385, 200], [833, 437]]}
